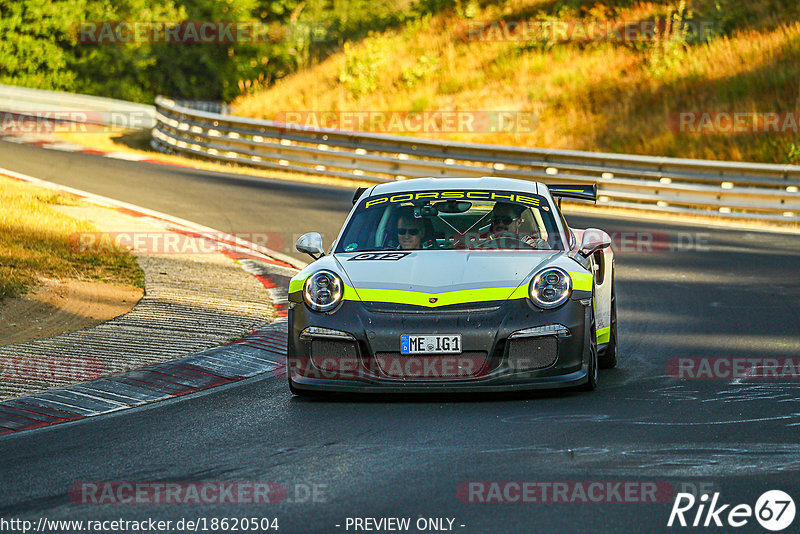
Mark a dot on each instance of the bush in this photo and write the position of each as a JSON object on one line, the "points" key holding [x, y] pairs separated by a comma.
{"points": [[425, 66], [363, 66]]}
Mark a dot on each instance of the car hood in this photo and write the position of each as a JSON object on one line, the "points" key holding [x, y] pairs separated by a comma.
{"points": [[447, 276]]}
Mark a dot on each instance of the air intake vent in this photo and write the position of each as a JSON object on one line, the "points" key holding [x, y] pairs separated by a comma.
{"points": [[334, 356], [529, 353]]}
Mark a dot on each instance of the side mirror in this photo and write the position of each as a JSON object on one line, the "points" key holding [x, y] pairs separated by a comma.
{"points": [[311, 244], [358, 193], [593, 240]]}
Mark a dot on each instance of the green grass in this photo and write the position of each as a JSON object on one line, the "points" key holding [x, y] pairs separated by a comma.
{"points": [[35, 241]]}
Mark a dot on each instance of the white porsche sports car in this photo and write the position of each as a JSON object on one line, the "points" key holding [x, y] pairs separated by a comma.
{"points": [[473, 284]]}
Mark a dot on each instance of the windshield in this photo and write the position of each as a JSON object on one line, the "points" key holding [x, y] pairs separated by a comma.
{"points": [[448, 220]]}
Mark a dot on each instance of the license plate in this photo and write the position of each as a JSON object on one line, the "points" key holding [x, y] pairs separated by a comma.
{"points": [[430, 344]]}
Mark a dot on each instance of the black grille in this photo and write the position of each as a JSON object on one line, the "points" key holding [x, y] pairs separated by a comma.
{"points": [[333, 355], [528, 353]]}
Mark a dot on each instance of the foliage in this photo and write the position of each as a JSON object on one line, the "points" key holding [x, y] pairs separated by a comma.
{"points": [[669, 46], [36, 45], [793, 155], [612, 93], [423, 68], [363, 66], [41, 45]]}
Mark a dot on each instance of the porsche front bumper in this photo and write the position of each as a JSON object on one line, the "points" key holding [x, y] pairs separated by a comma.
{"points": [[506, 346]]}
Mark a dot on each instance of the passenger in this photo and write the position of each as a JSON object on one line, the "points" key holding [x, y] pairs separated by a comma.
{"points": [[414, 233]]}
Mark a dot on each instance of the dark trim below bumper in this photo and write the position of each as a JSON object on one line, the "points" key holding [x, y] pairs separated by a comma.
{"points": [[489, 385]]}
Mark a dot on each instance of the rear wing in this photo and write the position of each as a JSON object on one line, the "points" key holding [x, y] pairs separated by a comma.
{"points": [[580, 192]]}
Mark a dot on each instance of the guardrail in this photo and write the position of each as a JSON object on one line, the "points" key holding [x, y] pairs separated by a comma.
{"points": [[68, 107], [726, 189]]}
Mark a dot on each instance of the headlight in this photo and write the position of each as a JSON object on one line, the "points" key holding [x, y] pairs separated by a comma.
{"points": [[550, 288], [323, 291]]}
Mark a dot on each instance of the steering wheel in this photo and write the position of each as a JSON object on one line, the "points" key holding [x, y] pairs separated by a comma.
{"points": [[505, 241]]}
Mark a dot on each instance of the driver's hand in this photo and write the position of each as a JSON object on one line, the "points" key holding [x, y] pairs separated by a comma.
{"points": [[534, 242]]}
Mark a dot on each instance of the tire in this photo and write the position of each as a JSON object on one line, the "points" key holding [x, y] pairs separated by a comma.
{"points": [[591, 383], [608, 360]]}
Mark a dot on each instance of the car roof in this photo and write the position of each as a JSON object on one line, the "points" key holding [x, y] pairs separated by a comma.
{"points": [[485, 183]]}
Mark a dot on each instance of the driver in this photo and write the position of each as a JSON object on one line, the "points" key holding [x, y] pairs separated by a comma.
{"points": [[506, 219]]}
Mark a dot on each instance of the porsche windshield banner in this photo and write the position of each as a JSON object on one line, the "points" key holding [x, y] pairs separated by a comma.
{"points": [[498, 196]]}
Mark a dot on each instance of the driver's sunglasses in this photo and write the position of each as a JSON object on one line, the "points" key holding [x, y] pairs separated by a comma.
{"points": [[410, 231], [504, 220]]}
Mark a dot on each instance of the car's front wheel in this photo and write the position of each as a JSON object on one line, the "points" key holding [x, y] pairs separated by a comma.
{"points": [[608, 360]]}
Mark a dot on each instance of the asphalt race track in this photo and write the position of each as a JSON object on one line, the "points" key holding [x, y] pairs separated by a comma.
{"points": [[733, 296]]}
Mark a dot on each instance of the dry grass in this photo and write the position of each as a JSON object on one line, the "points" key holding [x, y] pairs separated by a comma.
{"points": [[35, 241], [607, 96]]}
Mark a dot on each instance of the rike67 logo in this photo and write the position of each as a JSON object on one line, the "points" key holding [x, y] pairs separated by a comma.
{"points": [[774, 510]]}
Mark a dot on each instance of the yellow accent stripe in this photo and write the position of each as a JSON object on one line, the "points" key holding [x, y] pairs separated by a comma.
{"points": [[604, 335], [296, 284], [581, 281], [399, 296], [521, 292]]}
